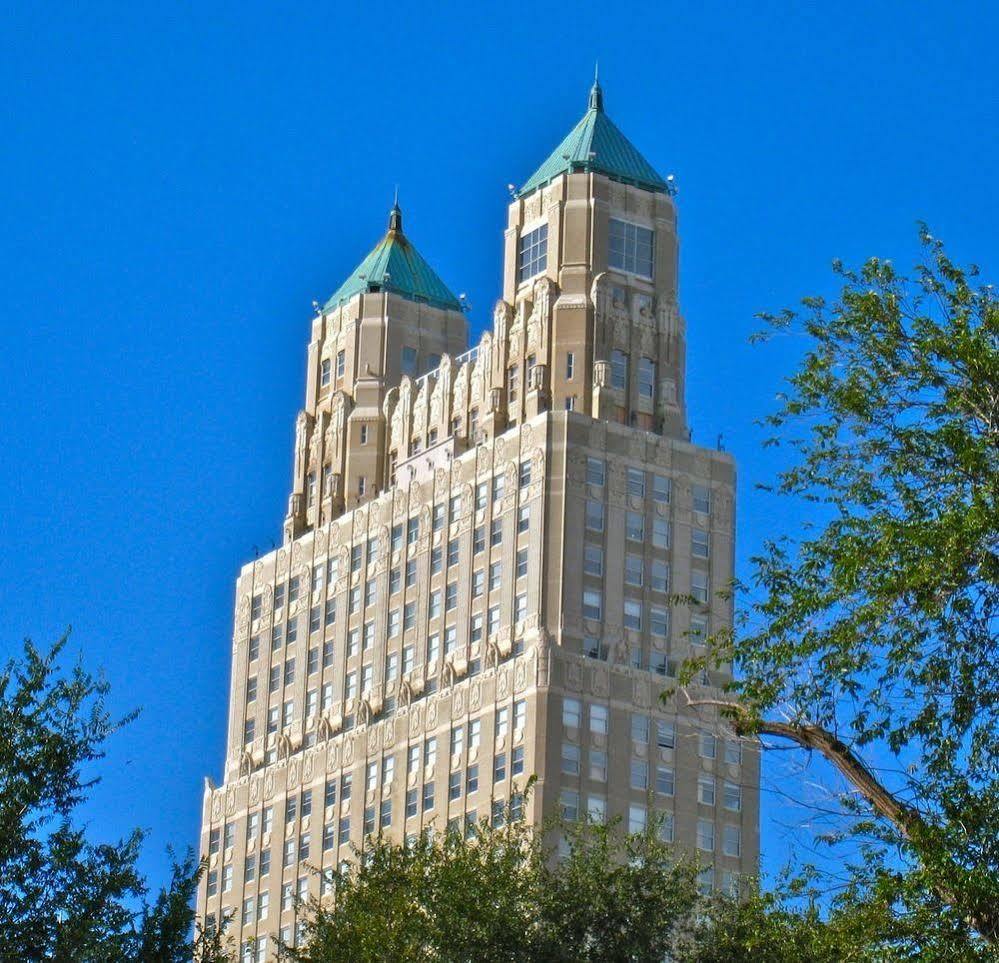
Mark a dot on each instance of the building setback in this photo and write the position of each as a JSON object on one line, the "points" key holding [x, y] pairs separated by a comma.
{"points": [[481, 560]]}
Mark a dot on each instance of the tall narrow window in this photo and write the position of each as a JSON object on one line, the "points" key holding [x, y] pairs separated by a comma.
{"points": [[325, 372], [619, 370], [532, 253], [646, 378]]}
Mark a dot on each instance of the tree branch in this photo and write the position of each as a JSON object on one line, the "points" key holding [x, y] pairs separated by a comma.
{"points": [[906, 819]]}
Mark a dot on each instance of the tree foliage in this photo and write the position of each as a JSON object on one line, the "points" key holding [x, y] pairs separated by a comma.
{"points": [[873, 636], [62, 896], [606, 897]]}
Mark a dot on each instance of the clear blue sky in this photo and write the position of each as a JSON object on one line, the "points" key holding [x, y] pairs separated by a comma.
{"points": [[178, 185]]}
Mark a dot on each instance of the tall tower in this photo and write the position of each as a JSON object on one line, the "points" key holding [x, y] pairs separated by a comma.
{"points": [[481, 560]]}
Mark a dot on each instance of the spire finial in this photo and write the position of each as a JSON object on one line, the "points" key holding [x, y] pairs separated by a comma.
{"points": [[596, 93], [395, 215]]}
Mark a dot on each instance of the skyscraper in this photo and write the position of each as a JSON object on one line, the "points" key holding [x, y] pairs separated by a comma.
{"points": [[481, 560]]}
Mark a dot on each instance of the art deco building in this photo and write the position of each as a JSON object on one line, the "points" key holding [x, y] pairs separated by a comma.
{"points": [[481, 558]]}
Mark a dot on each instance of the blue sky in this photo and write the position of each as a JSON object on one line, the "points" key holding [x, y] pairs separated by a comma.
{"points": [[179, 182]]}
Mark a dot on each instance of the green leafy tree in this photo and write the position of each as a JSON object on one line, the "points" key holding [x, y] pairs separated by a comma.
{"points": [[62, 896], [872, 640], [606, 897]]}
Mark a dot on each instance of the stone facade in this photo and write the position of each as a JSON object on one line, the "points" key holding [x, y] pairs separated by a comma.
{"points": [[479, 575]]}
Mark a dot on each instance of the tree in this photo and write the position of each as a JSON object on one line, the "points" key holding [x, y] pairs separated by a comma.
{"points": [[499, 894], [604, 896], [872, 638], [63, 897]]}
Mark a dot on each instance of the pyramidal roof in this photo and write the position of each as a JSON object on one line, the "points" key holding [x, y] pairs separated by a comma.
{"points": [[396, 266], [595, 144]]}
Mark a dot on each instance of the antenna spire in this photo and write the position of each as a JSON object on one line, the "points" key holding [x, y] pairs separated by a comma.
{"points": [[596, 93], [395, 215]]}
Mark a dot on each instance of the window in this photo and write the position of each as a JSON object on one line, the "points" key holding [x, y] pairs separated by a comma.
{"points": [[619, 370], [411, 573], [659, 621], [733, 797], [593, 560], [254, 649], [596, 472], [256, 606], [279, 595], [593, 604], [646, 378], [412, 531], [639, 774], [660, 533], [520, 607], [572, 713], [570, 365], [659, 577], [733, 752], [570, 759], [496, 531], [640, 729], [658, 663], [471, 780], [633, 615], [665, 781], [699, 543], [660, 488], [248, 727], [705, 835], [594, 649], [454, 785], [598, 765], [330, 614], [731, 841], [637, 818], [596, 808], [702, 499], [457, 740], [699, 586], [251, 689], [634, 526], [499, 767], [636, 482], [519, 715], [408, 361], [428, 796], [341, 363], [523, 518], [478, 539], [630, 248], [707, 745], [532, 253], [599, 719], [440, 512], [512, 381], [569, 805], [594, 516], [517, 761], [430, 752], [363, 434], [451, 596], [706, 789], [633, 574], [665, 734], [521, 562], [433, 647]]}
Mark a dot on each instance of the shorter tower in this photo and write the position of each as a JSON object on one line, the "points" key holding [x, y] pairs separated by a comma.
{"points": [[481, 562]]}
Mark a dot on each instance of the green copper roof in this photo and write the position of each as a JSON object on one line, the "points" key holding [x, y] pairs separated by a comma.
{"points": [[396, 266], [596, 144]]}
